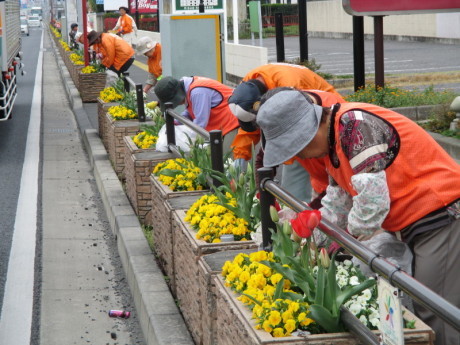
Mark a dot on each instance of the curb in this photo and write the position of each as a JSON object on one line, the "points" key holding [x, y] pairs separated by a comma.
{"points": [[160, 319]]}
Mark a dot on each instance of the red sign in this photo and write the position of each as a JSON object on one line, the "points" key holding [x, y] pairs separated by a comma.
{"points": [[379, 7], [143, 6]]}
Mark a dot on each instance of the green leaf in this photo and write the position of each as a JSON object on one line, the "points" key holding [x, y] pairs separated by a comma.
{"points": [[170, 172], [252, 299], [279, 289], [324, 318], [320, 286], [345, 295]]}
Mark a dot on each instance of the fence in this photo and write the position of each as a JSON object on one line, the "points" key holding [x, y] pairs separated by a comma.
{"points": [[128, 82], [417, 291]]}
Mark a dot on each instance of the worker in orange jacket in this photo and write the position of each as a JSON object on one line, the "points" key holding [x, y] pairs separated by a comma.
{"points": [[206, 102], [115, 54], [257, 82], [387, 174], [148, 47], [126, 26]]}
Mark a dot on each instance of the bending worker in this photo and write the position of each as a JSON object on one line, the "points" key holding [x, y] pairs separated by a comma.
{"points": [[206, 102], [386, 174], [148, 47], [115, 54], [126, 26], [254, 85]]}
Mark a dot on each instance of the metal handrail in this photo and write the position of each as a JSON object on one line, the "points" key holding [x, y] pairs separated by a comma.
{"points": [[128, 82], [214, 137], [397, 277]]}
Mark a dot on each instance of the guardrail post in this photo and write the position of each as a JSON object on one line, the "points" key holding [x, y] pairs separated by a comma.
{"points": [[217, 162], [125, 81], [266, 200], [140, 103], [170, 131]]}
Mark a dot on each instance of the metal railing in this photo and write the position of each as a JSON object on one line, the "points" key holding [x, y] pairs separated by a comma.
{"points": [[214, 138], [128, 82], [397, 277]]}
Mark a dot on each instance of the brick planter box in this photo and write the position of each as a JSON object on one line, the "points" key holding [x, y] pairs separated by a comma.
{"points": [[102, 119], [240, 330], [90, 85], [164, 202], [191, 286], [139, 164], [210, 266], [115, 132], [74, 72]]}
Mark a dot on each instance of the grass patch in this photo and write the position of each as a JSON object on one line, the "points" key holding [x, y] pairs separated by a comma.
{"points": [[439, 122], [392, 97], [148, 233]]}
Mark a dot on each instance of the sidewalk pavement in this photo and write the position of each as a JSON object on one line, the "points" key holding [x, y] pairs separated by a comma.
{"points": [[159, 316]]}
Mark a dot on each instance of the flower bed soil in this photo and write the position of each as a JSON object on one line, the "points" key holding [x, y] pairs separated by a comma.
{"points": [[164, 202], [102, 119], [241, 328], [190, 289], [139, 164], [90, 85]]}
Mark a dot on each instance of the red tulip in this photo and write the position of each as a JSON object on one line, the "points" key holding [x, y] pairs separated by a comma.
{"points": [[233, 185], [305, 222]]}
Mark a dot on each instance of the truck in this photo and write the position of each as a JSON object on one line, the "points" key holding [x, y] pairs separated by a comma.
{"points": [[10, 55], [37, 12]]}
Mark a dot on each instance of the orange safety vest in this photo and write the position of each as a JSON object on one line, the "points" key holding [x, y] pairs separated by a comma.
{"points": [[126, 24], [278, 75], [221, 117], [115, 51], [422, 178], [154, 62], [283, 74]]}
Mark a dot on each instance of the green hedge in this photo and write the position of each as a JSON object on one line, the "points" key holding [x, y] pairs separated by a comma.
{"points": [[271, 9]]}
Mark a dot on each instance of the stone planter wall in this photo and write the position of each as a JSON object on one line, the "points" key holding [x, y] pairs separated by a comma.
{"points": [[210, 266], [191, 287], [164, 202], [90, 85], [139, 164], [74, 72], [102, 119], [240, 329], [115, 132]]}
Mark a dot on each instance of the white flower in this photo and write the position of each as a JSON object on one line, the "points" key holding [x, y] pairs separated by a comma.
{"points": [[347, 263], [363, 319], [354, 280], [367, 294], [342, 281], [362, 300], [374, 321], [355, 308]]}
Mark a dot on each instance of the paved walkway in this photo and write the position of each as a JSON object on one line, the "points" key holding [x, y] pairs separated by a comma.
{"points": [[82, 275]]}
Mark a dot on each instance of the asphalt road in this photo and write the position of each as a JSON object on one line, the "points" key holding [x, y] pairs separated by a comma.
{"points": [[336, 55], [13, 135]]}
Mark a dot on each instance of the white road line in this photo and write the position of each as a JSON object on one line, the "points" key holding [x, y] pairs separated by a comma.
{"points": [[16, 315]]}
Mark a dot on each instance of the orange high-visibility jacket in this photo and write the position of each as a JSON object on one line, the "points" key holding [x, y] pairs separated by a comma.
{"points": [[126, 24], [422, 178], [221, 117], [115, 51], [154, 62], [278, 75]]}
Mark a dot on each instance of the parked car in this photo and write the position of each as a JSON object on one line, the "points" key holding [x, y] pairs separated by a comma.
{"points": [[24, 26], [34, 21]]}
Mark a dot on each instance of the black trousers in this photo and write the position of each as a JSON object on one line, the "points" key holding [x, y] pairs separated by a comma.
{"points": [[123, 68]]}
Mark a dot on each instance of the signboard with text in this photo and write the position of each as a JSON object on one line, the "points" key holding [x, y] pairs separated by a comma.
{"points": [[387, 7], [143, 6], [187, 6]]}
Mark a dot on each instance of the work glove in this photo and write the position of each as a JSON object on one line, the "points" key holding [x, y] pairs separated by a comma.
{"points": [[305, 222]]}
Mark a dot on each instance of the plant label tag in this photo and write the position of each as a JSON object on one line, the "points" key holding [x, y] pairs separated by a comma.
{"points": [[391, 320]]}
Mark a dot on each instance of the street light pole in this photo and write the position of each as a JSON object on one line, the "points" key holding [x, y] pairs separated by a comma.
{"points": [[85, 32]]}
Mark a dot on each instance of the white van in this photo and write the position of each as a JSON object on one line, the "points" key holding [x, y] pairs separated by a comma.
{"points": [[34, 21]]}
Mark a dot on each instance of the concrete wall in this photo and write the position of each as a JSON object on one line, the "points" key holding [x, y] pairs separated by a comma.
{"points": [[330, 17]]}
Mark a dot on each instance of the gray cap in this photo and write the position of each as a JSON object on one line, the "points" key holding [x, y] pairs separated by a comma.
{"points": [[289, 122]]}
